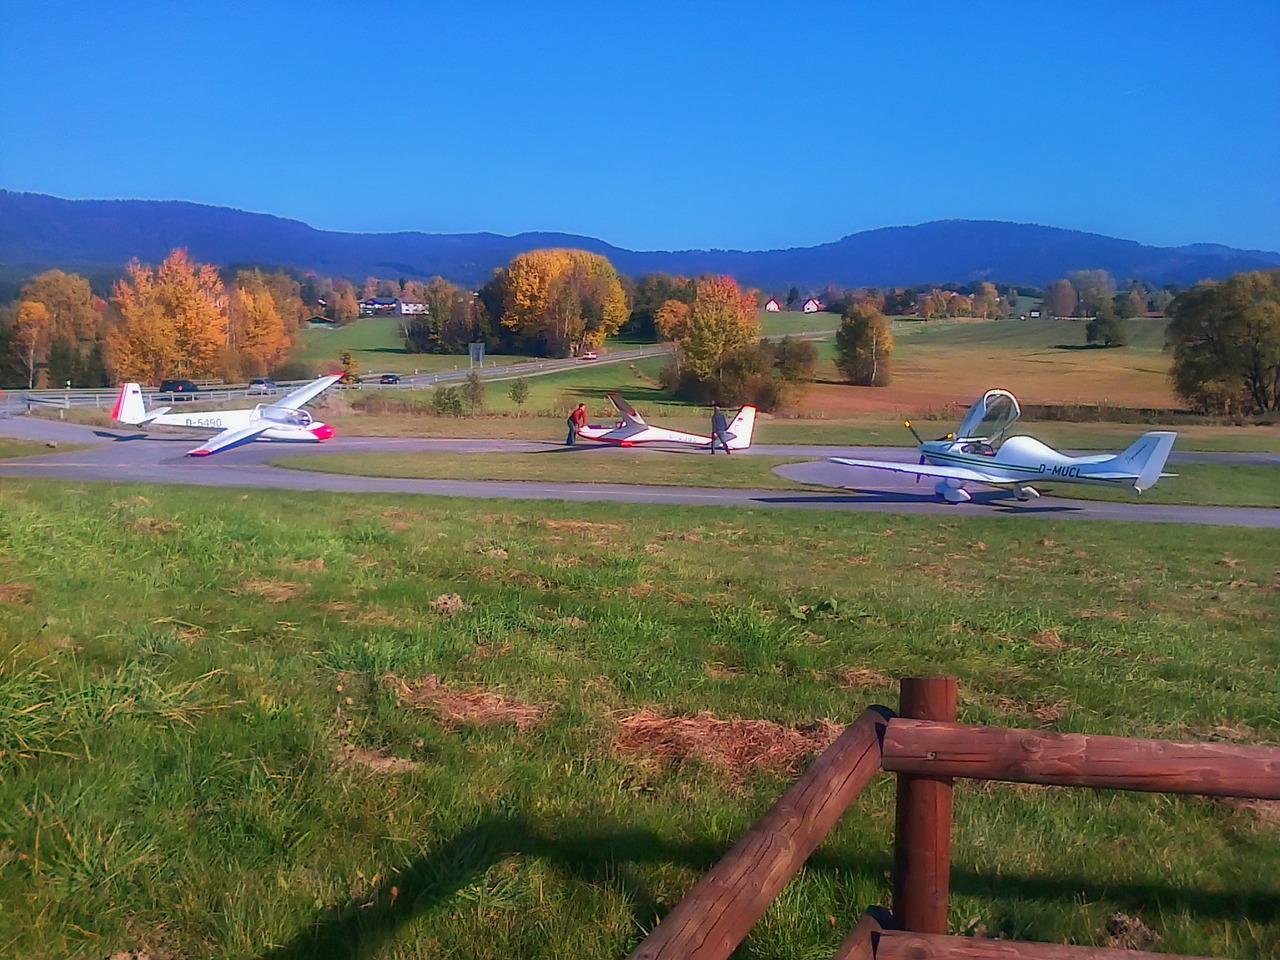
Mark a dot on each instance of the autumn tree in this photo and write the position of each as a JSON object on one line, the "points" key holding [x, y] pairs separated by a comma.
{"points": [[671, 320], [1060, 299], [864, 346], [449, 323], [558, 301], [651, 293], [1093, 287], [343, 306], [70, 347], [31, 330], [722, 318], [986, 300], [258, 332], [173, 320], [1225, 339]]}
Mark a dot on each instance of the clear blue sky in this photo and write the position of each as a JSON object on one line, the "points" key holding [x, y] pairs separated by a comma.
{"points": [[659, 125]]}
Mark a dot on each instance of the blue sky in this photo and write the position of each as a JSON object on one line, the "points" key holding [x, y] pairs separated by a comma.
{"points": [[659, 125]]}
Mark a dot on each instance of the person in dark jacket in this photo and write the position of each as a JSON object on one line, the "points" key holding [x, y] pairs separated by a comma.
{"points": [[577, 420], [719, 430]]}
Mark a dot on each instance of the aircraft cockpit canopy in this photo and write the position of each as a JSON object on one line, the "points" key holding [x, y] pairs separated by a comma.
{"points": [[990, 417], [286, 416]]}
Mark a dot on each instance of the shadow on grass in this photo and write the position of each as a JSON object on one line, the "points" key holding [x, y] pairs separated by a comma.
{"points": [[360, 926], [1086, 346]]}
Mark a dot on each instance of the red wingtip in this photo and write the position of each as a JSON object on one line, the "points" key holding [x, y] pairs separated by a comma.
{"points": [[199, 453]]}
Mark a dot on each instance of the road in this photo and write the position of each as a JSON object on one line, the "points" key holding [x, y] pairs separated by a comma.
{"points": [[125, 456]]}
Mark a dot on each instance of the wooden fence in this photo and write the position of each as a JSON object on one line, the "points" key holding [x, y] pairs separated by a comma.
{"points": [[926, 748]]}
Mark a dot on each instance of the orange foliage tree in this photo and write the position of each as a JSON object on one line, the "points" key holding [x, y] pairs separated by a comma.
{"points": [[173, 321], [258, 331]]}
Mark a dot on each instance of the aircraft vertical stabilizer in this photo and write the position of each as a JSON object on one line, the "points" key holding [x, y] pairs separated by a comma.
{"points": [[742, 428], [131, 407], [1146, 458]]}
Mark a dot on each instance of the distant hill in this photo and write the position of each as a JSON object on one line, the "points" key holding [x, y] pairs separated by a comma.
{"points": [[98, 237]]}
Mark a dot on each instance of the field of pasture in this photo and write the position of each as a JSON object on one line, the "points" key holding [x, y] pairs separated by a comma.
{"points": [[264, 725]]}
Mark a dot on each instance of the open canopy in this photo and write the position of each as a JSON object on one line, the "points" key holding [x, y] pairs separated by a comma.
{"points": [[990, 417]]}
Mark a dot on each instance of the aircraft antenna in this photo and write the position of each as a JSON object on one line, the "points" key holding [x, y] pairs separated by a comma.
{"points": [[907, 424]]}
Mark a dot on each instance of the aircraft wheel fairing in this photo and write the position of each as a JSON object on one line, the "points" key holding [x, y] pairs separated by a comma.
{"points": [[952, 491]]}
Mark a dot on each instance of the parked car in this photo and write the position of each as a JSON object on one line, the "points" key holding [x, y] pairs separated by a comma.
{"points": [[390, 378], [589, 355], [179, 388], [262, 385]]}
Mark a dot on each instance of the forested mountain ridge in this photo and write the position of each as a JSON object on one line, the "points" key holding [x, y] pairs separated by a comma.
{"points": [[93, 237]]}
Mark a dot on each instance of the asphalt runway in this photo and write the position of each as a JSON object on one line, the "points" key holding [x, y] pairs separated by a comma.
{"points": [[130, 456]]}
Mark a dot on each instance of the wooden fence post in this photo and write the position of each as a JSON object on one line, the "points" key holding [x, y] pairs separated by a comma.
{"points": [[922, 841], [714, 917]]}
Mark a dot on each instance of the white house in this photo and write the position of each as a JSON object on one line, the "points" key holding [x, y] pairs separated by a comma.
{"points": [[772, 305], [410, 307], [811, 306]]}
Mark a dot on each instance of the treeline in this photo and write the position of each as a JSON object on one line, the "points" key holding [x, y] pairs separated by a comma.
{"points": [[180, 319]]}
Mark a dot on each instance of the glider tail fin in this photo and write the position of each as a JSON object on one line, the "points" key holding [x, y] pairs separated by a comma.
{"points": [[1146, 458], [742, 428], [131, 408]]}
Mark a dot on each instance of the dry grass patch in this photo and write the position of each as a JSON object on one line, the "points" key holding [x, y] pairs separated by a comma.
{"points": [[1265, 812], [1123, 932], [15, 593], [314, 565], [576, 623], [1045, 712], [1048, 639], [274, 591], [862, 678], [736, 746], [478, 707], [449, 603], [375, 761], [154, 526]]}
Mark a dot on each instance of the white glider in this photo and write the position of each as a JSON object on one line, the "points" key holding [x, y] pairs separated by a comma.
{"points": [[632, 429], [282, 420], [976, 454]]}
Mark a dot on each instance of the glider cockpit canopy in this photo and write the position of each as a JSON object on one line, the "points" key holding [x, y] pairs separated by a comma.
{"points": [[990, 417]]}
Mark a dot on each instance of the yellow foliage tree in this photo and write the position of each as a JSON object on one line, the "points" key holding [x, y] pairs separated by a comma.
{"points": [[173, 321], [562, 300], [31, 333], [722, 319]]}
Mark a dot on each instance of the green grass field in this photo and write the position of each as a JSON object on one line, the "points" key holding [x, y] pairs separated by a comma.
{"points": [[256, 724]]}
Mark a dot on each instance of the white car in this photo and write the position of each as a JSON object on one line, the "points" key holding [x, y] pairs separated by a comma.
{"points": [[589, 355]]}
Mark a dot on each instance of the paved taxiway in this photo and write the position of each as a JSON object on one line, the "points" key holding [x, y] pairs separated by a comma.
{"points": [[132, 457]]}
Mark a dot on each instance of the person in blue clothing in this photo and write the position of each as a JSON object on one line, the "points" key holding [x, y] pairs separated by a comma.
{"points": [[719, 430]]}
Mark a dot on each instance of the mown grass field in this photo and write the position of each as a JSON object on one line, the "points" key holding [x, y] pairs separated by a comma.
{"points": [[257, 724]]}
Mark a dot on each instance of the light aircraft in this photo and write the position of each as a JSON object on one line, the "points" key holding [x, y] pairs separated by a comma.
{"points": [[976, 454], [282, 420], [631, 429]]}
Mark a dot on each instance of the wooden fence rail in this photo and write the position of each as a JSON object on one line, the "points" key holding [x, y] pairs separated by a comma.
{"points": [[926, 748], [1082, 760]]}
